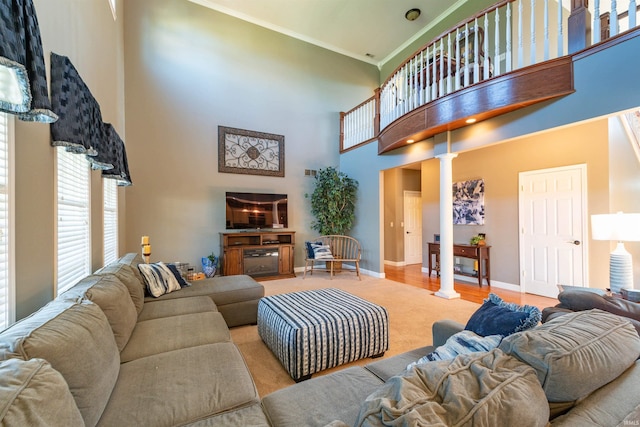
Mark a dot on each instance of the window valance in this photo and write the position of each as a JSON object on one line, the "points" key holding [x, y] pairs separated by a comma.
{"points": [[23, 79], [117, 156], [80, 128]]}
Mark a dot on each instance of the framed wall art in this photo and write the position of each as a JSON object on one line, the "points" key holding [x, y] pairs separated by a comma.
{"points": [[249, 152], [468, 202]]}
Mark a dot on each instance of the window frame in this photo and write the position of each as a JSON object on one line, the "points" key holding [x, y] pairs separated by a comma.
{"points": [[110, 194], [84, 262], [9, 309]]}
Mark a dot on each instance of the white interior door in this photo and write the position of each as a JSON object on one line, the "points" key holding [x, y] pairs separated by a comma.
{"points": [[553, 229], [412, 227]]}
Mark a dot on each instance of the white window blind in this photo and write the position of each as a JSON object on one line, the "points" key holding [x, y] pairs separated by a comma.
{"points": [[73, 225], [7, 309], [110, 218]]}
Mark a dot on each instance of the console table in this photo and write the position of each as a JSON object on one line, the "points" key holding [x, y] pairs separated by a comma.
{"points": [[260, 254], [476, 252]]}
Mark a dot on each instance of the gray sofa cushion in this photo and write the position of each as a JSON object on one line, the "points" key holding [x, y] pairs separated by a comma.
{"points": [[610, 405], [175, 307], [222, 290], [474, 389], [76, 339], [251, 416], [129, 278], [132, 259], [172, 333], [321, 400], [33, 393], [395, 365], [113, 298], [180, 387], [576, 353]]}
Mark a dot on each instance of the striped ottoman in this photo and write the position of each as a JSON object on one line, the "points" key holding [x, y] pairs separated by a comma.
{"points": [[310, 331]]}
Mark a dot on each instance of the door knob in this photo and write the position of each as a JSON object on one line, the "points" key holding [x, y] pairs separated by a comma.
{"points": [[576, 242]]}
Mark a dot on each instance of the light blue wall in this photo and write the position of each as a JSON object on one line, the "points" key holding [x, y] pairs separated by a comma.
{"points": [[604, 84]]}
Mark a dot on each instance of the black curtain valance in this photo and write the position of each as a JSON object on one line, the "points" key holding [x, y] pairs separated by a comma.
{"points": [[22, 70], [80, 128], [117, 156]]}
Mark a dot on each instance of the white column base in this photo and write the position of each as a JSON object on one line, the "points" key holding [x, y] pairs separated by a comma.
{"points": [[447, 294]]}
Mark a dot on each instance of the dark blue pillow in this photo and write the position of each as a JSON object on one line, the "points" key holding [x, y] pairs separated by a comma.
{"points": [[179, 277], [310, 253], [496, 317]]}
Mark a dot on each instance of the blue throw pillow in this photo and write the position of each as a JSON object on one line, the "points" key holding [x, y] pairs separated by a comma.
{"points": [[496, 317], [179, 277], [310, 254]]}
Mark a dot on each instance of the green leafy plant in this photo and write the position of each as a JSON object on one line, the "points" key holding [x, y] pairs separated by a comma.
{"points": [[333, 202], [213, 258]]}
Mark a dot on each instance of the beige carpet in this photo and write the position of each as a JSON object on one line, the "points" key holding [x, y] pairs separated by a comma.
{"points": [[411, 310]]}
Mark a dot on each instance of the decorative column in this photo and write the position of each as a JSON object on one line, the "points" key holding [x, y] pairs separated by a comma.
{"points": [[446, 227]]}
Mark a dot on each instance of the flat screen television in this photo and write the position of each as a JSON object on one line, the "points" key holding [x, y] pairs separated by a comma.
{"points": [[252, 211]]}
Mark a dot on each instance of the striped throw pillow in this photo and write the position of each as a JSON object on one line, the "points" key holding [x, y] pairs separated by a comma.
{"points": [[158, 278]]}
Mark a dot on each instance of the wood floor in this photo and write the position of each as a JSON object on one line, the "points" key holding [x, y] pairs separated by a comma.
{"points": [[413, 275]]}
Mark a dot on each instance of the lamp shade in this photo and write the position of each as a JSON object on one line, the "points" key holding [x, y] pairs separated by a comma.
{"points": [[621, 227]]}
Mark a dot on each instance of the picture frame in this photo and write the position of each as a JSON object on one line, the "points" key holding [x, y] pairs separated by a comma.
{"points": [[436, 238], [250, 152]]}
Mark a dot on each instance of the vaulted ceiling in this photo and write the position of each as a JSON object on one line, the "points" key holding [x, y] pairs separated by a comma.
{"points": [[369, 30]]}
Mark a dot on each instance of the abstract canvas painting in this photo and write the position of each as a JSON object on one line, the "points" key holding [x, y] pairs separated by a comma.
{"points": [[468, 202]]}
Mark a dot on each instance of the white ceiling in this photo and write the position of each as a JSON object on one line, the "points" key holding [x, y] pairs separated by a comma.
{"points": [[369, 30]]}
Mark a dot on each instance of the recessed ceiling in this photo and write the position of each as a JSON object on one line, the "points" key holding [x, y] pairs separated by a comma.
{"points": [[369, 30]]}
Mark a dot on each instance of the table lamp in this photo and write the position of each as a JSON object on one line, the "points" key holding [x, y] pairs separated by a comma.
{"points": [[620, 227]]}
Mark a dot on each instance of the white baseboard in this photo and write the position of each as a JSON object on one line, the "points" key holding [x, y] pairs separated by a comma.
{"points": [[395, 263], [467, 279], [352, 269]]}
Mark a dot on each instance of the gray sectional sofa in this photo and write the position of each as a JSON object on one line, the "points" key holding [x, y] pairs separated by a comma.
{"points": [[105, 354]]}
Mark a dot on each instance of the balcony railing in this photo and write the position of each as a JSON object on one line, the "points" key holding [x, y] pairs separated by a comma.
{"points": [[505, 37]]}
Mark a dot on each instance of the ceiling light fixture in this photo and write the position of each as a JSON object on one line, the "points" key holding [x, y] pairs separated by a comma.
{"points": [[410, 141], [469, 121], [412, 14]]}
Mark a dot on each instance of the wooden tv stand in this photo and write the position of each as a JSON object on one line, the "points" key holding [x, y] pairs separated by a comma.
{"points": [[259, 254]]}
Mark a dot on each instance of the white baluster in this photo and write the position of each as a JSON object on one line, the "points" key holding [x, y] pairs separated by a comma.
{"points": [[560, 31], [466, 55], [434, 76], [546, 30], [613, 26], [449, 70], [415, 82], [487, 62], [441, 64], [533, 31], [520, 41], [496, 54], [508, 50], [632, 14], [476, 59], [596, 21], [458, 59]]}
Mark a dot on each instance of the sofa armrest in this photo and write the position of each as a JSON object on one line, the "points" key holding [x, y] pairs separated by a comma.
{"points": [[443, 329]]}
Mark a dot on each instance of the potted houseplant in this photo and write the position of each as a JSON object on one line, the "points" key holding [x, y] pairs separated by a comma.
{"points": [[333, 202]]}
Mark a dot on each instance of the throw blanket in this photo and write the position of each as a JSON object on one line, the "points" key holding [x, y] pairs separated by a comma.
{"points": [[22, 62], [479, 389]]}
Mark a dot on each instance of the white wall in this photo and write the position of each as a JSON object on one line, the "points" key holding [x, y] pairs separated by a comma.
{"points": [[189, 70]]}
